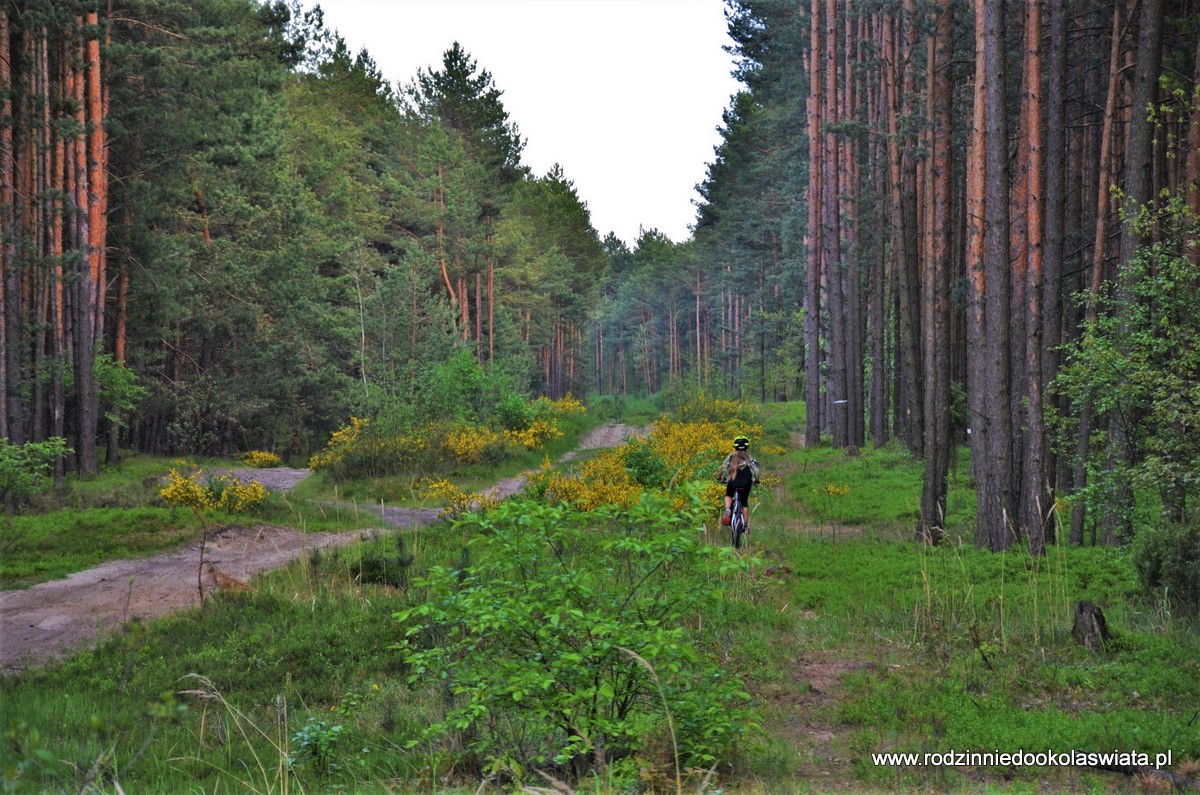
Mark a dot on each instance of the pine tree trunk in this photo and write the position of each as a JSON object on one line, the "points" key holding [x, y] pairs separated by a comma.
{"points": [[10, 317], [831, 234], [996, 515], [977, 273], [1192, 174], [1083, 443], [936, 287], [1035, 500], [903, 235], [1055, 163], [812, 281]]}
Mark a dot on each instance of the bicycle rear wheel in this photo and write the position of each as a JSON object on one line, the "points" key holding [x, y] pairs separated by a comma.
{"points": [[737, 524]]}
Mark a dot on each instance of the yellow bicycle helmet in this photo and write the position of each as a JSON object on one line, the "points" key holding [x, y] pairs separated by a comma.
{"points": [[741, 442]]}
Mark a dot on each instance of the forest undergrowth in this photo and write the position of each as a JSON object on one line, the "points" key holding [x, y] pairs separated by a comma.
{"points": [[600, 635]]}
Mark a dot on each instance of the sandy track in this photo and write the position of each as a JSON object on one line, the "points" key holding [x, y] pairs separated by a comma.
{"points": [[52, 619]]}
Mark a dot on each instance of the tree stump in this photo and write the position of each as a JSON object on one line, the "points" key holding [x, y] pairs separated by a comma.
{"points": [[1091, 630]]}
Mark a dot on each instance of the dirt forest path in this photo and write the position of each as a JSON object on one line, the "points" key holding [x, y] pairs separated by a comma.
{"points": [[52, 619]]}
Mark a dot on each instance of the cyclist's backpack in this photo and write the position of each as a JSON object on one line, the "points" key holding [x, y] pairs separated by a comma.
{"points": [[755, 470]]}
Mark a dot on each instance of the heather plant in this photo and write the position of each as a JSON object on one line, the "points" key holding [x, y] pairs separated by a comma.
{"points": [[549, 640]]}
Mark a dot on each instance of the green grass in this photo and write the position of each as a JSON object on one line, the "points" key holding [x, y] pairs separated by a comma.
{"points": [[50, 546], [852, 637], [119, 514]]}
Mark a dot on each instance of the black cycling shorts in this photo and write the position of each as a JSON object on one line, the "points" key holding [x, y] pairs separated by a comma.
{"points": [[733, 486]]}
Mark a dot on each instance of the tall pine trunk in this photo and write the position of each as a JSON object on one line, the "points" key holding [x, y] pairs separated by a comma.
{"points": [[936, 286], [1035, 500]]}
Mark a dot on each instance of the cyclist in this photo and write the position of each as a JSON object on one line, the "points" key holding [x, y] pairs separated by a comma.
{"points": [[739, 472]]}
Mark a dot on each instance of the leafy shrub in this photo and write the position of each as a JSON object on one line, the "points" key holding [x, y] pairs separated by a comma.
{"points": [[1167, 558], [379, 567], [260, 459], [676, 453], [733, 413], [645, 465], [368, 449], [468, 444], [358, 450], [24, 468], [513, 412], [457, 501], [224, 493], [564, 642]]}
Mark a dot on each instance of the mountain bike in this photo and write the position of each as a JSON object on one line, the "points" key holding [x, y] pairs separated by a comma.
{"points": [[737, 521]]}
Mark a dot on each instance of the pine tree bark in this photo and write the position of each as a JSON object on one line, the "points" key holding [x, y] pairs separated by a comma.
{"points": [[903, 202], [8, 265], [1035, 498], [1192, 175], [812, 281], [1055, 163], [831, 234], [936, 286], [85, 308]]}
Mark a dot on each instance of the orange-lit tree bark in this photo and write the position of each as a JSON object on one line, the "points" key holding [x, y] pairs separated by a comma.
{"points": [[1035, 499], [987, 285]]}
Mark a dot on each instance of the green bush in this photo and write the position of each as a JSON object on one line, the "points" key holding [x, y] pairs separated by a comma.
{"points": [[25, 468], [1167, 558], [645, 465], [565, 644]]}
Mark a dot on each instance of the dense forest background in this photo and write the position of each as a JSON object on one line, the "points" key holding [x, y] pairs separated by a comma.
{"points": [[937, 223]]}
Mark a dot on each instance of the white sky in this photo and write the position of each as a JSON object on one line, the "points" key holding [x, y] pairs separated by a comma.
{"points": [[626, 95]]}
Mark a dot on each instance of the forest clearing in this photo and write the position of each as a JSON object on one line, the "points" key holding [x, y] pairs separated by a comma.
{"points": [[830, 620], [261, 302]]}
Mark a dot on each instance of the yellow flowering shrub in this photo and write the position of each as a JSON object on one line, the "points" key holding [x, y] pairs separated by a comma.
{"points": [[469, 444], [226, 493], [235, 496], [603, 480], [568, 405], [341, 440], [353, 452], [732, 413], [186, 491], [260, 459], [358, 450], [540, 431], [457, 501], [675, 453]]}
